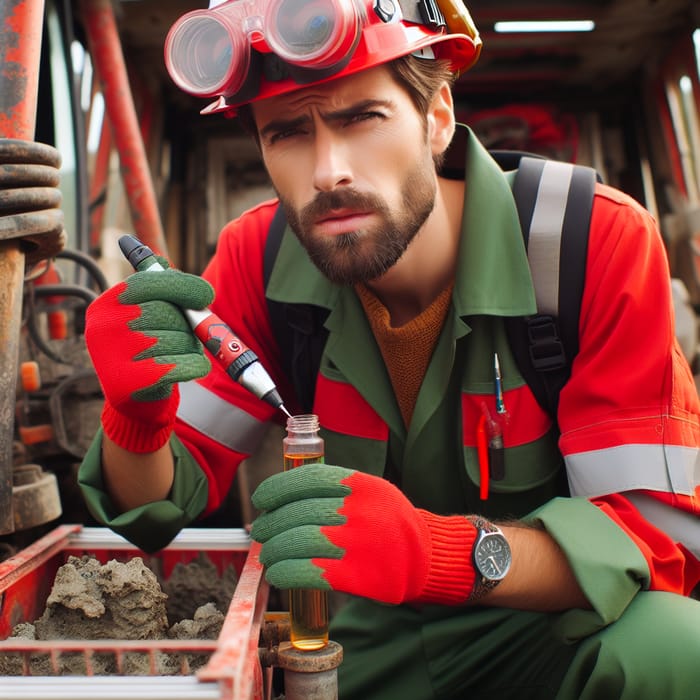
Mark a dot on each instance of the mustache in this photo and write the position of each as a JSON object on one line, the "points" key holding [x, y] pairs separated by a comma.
{"points": [[326, 202]]}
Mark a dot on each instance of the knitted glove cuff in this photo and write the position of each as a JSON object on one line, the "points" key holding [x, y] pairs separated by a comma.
{"points": [[136, 434], [451, 574]]}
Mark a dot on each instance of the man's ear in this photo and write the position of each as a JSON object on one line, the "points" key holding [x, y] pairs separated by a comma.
{"points": [[441, 119]]}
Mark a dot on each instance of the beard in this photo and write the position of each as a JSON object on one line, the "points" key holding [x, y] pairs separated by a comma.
{"points": [[365, 254]]}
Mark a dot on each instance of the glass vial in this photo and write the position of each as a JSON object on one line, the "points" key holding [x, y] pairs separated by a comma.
{"points": [[308, 608]]}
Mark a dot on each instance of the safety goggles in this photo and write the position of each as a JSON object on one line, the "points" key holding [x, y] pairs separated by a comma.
{"points": [[208, 52], [212, 52]]}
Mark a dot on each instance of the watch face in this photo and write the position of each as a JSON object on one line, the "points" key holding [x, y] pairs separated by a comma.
{"points": [[492, 556]]}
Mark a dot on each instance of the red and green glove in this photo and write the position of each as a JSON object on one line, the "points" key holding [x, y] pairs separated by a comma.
{"points": [[141, 345], [337, 529]]}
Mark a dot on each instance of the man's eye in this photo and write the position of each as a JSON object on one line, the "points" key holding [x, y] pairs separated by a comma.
{"points": [[282, 135], [365, 116]]}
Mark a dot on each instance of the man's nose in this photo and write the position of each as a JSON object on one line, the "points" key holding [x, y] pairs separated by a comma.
{"points": [[332, 166]]}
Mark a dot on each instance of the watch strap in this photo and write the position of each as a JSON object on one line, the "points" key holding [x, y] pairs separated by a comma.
{"points": [[481, 523]]}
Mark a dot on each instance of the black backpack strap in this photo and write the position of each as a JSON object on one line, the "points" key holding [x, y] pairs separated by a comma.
{"points": [[554, 202], [298, 328], [276, 309]]}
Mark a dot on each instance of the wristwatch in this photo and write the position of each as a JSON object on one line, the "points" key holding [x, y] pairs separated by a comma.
{"points": [[491, 556]]}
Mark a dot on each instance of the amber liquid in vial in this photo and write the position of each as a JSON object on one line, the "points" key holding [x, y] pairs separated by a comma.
{"points": [[308, 608]]}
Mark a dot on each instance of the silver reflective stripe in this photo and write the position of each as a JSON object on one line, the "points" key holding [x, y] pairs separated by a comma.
{"points": [[681, 526], [544, 242], [666, 468], [218, 419]]}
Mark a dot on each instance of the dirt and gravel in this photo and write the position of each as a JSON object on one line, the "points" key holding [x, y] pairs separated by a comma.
{"points": [[126, 601]]}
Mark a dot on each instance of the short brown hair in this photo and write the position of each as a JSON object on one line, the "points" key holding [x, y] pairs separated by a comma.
{"points": [[421, 78]]}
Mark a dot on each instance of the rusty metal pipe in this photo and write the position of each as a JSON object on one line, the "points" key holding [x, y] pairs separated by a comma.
{"points": [[11, 283], [21, 24], [107, 55], [310, 675]]}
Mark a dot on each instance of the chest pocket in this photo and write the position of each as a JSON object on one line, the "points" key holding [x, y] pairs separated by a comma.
{"points": [[530, 456]]}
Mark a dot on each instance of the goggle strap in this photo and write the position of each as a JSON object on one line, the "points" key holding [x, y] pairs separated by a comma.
{"points": [[251, 84], [274, 69]]}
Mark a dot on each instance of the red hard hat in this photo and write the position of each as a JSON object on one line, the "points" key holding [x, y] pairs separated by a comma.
{"points": [[241, 51]]}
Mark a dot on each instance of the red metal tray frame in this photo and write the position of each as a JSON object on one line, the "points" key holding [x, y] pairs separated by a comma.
{"points": [[234, 667]]}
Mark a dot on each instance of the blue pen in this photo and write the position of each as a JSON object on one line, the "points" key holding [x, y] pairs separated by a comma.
{"points": [[494, 426], [500, 406]]}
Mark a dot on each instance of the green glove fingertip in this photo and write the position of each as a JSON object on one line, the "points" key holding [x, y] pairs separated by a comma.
{"points": [[296, 573], [315, 480], [180, 288], [315, 511]]}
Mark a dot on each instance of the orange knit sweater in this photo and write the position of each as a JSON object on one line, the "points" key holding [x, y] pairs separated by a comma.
{"points": [[406, 349]]}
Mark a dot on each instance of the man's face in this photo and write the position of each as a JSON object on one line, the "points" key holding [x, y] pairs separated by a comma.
{"points": [[353, 169]]}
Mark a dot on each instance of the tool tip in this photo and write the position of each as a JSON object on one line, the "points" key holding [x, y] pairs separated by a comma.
{"points": [[128, 243], [274, 399], [133, 250]]}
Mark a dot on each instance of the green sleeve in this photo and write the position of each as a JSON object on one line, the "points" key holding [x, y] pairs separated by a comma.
{"points": [[152, 526], [607, 564]]}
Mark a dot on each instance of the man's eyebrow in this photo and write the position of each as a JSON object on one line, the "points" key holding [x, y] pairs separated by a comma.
{"points": [[357, 108], [277, 126]]}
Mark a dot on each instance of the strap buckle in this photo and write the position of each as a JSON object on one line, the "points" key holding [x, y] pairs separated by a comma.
{"points": [[546, 348]]}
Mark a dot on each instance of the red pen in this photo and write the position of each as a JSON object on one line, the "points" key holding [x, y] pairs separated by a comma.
{"points": [[482, 450], [489, 448]]}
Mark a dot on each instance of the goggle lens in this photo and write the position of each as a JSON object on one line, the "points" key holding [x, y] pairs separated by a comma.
{"points": [[315, 33], [203, 55]]}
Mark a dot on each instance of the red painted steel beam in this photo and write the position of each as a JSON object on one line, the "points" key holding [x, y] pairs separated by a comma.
{"points": [[21, 24], [106, 51]]}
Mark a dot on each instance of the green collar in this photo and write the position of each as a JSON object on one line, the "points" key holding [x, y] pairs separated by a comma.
{"points": [[493, 276]]}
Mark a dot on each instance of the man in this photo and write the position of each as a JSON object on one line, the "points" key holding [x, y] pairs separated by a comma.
{"points": [[559, 580]]}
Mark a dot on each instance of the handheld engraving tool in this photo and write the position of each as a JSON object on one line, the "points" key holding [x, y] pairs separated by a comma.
{"points": [[238, 360]]}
